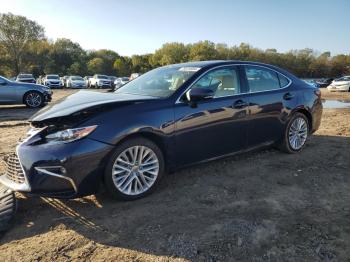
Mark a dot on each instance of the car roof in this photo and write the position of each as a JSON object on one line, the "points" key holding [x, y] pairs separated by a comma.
{"points": [[205, 65]]}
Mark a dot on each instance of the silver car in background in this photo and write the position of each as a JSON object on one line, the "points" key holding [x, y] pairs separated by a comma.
{"points": [[75, 82], [32, 95], [119, 82]]}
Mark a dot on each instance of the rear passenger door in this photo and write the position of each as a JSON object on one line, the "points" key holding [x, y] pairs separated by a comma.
{"points": [[269, 96]]}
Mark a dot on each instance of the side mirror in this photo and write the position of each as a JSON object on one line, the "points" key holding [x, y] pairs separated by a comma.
{"points": [[199, 94], [3, 83]]}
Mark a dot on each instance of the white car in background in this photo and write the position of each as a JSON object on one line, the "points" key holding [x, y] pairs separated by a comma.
{"points": [[100, 81], [340, 84], [75, 82], [52, 81], [120, 81]]}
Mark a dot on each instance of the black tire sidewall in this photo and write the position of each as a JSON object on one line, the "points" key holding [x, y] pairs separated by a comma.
{"points": [[8, 207], [31, 92], [108, 181], [286, 144]]}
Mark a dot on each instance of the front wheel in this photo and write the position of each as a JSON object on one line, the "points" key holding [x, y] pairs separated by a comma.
{"points": [[295, 134], [8, 206], [134, 169], [33, 99]]}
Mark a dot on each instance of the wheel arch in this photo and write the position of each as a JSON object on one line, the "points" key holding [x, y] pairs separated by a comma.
{"points": [[308, 115], [155, 138]]}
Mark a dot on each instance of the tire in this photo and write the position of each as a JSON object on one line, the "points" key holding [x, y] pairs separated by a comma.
{"points": [[286, 144], [134, 176], [28, 99], [8, 207]]}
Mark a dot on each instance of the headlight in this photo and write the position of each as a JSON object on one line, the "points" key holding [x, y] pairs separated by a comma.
{"points": [[70, 135]]}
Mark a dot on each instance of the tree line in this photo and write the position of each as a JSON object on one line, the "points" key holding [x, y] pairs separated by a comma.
{"points": [[25, 48]]}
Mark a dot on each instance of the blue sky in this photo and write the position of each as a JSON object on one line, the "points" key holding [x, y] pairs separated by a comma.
{"points": [[138, 27]]}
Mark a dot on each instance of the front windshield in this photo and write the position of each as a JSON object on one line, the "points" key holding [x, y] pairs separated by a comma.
{"points": [[345, 78], [125, 79], [102, 77], [77, 78], [160, 82], [25, 76], [52, 77]]}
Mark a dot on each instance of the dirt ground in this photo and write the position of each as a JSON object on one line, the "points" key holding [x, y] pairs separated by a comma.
{"points": [[262, 206]]}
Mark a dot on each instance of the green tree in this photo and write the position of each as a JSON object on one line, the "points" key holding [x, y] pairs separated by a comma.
{"points": [[16, 32], [108, 57], [123, 66], [64, 53], [170, 53], [95, 66], [203, 50]]}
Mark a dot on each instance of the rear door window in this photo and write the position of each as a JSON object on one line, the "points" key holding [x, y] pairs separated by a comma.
{"points": [[263, 79]]}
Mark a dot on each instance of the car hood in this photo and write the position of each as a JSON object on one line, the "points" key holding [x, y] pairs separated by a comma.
{"points": [[83, 100], [32, 86]]}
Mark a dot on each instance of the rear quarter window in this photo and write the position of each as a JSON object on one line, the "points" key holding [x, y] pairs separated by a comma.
{"points": [[284, 81]]}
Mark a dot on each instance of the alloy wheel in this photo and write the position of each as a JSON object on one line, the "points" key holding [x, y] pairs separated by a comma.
{"points": [[298, 132], [135, 170], [33, 99]]}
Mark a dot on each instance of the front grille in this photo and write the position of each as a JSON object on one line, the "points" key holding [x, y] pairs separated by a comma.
{"points": [[14, 170]]}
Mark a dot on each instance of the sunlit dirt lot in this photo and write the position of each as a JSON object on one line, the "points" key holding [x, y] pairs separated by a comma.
{"points": [[260, 206]]}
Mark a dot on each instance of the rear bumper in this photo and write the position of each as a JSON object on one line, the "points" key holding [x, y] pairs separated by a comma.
{"points": [[60, 170]]}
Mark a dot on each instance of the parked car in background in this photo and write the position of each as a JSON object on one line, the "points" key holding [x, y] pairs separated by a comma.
{"points": [[120, 81], [32, 95], [311, 82], [26, 78], [112, 78], [87, 80], [53, 81], [100, 81], [64, 80], [75, 82], [127, 139], [324, 82], [340, 84], [134, 75]]}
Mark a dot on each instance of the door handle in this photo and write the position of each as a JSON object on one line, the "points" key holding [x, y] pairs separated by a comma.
{"points": [[240, 104], [288, 96]]}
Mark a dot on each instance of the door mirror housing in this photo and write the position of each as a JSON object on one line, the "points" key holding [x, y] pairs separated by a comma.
{"points": [[199, 94], [3, 82]]}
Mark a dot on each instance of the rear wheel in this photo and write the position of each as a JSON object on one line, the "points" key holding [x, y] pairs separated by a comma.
{"points": [[8, 206], [134, 170], [33, 99], [296, 134]]}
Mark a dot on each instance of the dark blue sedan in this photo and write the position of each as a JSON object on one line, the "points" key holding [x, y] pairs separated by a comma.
{"points": [[170, 117]]}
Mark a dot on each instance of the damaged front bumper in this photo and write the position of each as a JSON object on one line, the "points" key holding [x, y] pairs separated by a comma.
{"points": [[61, 170]]}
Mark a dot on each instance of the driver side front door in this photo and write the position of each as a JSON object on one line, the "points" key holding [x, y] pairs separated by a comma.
{"points": [[216, 126]]}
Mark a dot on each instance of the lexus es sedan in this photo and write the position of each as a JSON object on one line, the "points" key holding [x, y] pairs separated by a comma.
{"points": [[170, 117], [32, 95]]}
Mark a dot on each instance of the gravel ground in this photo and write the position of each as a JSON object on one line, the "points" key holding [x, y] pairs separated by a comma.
{"points": [[262, 206]]}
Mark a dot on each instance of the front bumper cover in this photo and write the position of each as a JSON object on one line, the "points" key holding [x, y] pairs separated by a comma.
{"points": [[60, 170]]}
